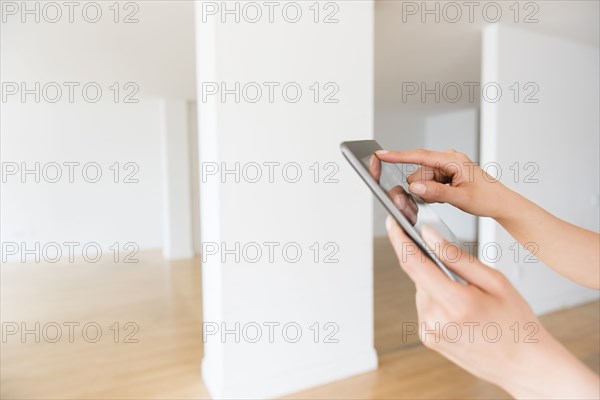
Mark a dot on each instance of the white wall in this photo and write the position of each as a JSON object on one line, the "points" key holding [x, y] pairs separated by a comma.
{"points": [[155, 48], [177, 185], [193, 153], [458, 130], [104, 212], [306, 212], [559, 134], [155, 54]]}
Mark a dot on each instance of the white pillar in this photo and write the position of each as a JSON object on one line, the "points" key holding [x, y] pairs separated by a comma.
{"points": [[177, 209], [542, 133], [333, 299]]}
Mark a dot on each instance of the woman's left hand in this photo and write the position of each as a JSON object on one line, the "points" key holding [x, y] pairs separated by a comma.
{"points": [[486, 327]]}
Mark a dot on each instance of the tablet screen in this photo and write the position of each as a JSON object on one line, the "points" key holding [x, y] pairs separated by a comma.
{"points": [[388, 182], [392, 178]]}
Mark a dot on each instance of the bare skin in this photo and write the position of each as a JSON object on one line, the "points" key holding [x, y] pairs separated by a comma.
{"points": [[452, 178], [541, 368]]}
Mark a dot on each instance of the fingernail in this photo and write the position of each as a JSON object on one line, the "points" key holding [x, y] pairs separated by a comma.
{"points": [[389, 222], [381, 152], [372, 161], [418, 188]]}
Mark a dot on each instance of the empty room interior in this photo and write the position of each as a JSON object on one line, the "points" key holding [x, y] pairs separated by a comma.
{"points": [[180, 219]]}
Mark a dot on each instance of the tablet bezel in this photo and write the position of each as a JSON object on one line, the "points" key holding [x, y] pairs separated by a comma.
{"points": [[354, 152]]}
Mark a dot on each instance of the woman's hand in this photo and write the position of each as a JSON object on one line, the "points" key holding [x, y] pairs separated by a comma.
{"points": [[451, 177], [486, 327]]}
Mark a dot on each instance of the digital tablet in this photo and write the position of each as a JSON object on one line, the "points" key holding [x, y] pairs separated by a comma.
{"points": [[388, 182]]}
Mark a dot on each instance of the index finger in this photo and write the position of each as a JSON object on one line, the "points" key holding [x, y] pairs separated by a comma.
{"points": [[428, 158]]}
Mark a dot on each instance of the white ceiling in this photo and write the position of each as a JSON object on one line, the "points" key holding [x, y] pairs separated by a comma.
{"points": [[158, 52], [413, 51]]}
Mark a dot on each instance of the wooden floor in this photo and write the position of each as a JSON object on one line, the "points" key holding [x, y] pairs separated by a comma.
{"points": [[164, 300]]}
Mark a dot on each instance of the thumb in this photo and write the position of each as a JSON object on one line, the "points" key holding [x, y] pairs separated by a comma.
{"points": [[435, 192], [466, 266]]}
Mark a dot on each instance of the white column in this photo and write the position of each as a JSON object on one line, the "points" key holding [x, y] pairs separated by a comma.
{"points": [[333, 299], [177, 209], [545, 143]]}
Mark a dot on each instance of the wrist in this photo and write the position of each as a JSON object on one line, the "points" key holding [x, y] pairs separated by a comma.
{"points": [[548, 370], [524, 377], [508, 204]]}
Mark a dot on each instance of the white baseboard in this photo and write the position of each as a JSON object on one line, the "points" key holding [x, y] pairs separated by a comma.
{"points": [[273, 386]]}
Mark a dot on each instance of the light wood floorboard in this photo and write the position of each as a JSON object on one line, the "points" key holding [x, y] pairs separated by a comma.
{"points": [[164, 300]]}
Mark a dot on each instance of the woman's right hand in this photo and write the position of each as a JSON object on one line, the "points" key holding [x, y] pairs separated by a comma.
{"points": [[451, 177]]}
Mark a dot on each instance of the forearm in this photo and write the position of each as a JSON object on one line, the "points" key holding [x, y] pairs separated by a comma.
{"points": [[571, 251], [549, 371]]}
